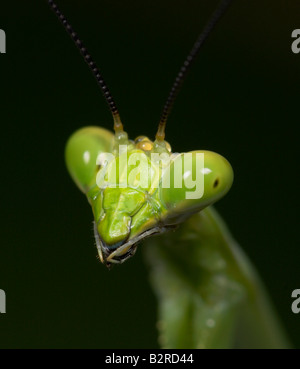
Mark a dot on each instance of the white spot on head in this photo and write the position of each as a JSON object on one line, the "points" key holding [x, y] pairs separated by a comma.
{"points": [[206, 171], [86, 157]]}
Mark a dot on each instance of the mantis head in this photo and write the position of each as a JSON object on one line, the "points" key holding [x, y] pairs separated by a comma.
{"points": [[141, 190]]}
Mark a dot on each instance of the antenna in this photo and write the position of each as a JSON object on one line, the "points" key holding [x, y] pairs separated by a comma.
{"points": [[181, 76], [118, 127]]}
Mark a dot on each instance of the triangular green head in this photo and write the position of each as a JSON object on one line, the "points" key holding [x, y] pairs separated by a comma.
{"points": [[138, 188]]}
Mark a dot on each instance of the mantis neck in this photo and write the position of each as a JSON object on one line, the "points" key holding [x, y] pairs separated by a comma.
{"points": [[209, 294]]}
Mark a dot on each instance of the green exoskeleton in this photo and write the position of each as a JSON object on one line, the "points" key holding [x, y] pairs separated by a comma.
{"points": [[209, 295]]}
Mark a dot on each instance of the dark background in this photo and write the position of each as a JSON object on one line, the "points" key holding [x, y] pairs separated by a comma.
{"points": [[241, 100]]}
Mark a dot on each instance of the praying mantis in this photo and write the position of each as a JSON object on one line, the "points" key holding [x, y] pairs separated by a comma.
{"points": [[208, 292]]}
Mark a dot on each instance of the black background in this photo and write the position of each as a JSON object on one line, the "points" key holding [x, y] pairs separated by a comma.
{"points": [[241, 100]]}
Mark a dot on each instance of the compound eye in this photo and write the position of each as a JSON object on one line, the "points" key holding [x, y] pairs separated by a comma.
{"points": [[82, 150], [196, 187]]}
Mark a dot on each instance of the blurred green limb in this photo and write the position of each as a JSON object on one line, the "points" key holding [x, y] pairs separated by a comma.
{"points": [[208, 293]]}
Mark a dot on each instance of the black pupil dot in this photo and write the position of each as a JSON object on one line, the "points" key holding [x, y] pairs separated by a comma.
{"points": [[216, 182]]}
